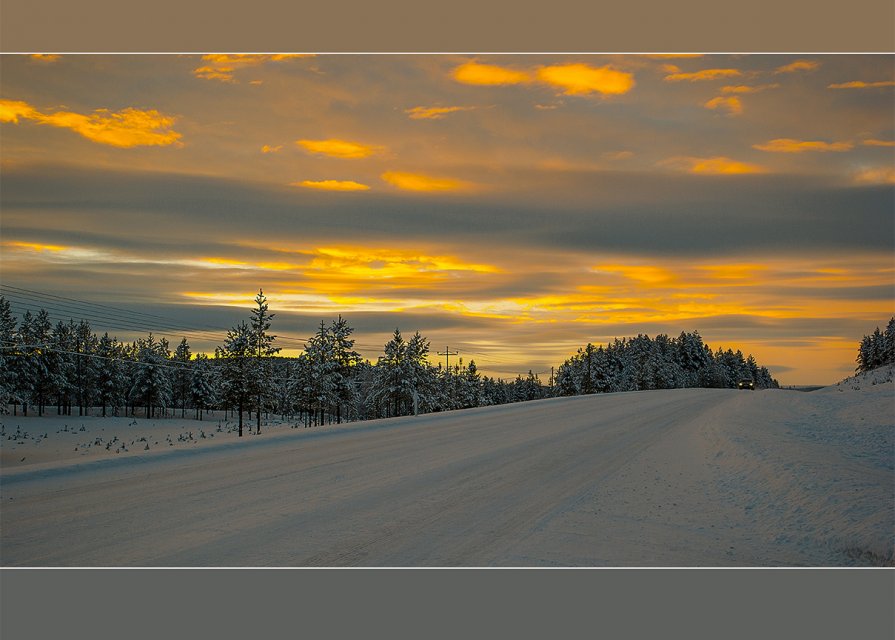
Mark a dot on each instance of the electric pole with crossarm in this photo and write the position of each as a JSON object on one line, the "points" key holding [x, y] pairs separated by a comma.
{"points": [[447, 353]]}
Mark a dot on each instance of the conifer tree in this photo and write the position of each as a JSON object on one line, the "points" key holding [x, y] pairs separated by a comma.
{"points": [[262, 347], [8, 358], [182, 375], [236, 376]]}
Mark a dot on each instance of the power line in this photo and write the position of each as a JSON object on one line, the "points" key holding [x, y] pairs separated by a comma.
{"points": [[123, 318]]}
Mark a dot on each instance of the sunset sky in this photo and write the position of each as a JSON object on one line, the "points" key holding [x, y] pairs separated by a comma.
{"points": [[511, 207]]}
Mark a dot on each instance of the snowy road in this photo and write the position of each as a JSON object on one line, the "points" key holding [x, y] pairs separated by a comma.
{"points": [[692, 477]]}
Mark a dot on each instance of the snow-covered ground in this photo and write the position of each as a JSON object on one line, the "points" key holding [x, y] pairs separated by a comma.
{"points": [[690, 477]]}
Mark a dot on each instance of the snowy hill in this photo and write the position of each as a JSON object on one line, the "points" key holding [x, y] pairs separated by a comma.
{"points": [[687, 477]]}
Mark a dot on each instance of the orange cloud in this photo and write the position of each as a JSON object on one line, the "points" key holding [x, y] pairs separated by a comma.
{"points": [[879, 143], [574, 78], [798, 65], [789, 145], [883, 175], [731, 104], [433, 113], [581, 79], [12, 110], [35, 246], [489, 74], [742, 88], [718, 165], [45, 57], [126, 128], [221, 66], [420, 182], [332, 185], [858, 84], [340, 148], [704, 74], [618, 155]]}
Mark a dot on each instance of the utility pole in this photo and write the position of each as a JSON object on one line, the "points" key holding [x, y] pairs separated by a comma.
{"points": [[447, 353]]}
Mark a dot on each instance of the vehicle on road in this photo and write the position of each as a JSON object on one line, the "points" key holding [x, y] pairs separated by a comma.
{"points": [[746, 384]]}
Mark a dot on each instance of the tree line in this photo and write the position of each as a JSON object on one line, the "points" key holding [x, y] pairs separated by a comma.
{"points": [[877, 349], [642, 363], [65, 365]]}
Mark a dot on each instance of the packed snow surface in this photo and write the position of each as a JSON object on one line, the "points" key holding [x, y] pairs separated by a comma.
{"points": [[686, 477]]}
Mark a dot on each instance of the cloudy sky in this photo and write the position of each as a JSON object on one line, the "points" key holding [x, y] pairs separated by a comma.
{"points": [[509, 207]]}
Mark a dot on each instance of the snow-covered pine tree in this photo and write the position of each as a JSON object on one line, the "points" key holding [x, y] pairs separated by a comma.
{"points": [[203, 385], [40, 359], [262, 348], [86, 366], [151, 384], [236, 374], [111, 378], [8, 360], [61, 361], [182, 375], [346, 358]]}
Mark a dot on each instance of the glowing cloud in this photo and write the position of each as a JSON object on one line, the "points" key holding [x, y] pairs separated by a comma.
{"points": [[433, 113], [340, 148], [45, 57], [858, 84], [489, 74], [420, 182], [718, 165], [742, 88], [12, 110], [269, 149], [879, 143], [731, 104], [126, 128], [221, 66], [789, 145], [332, 185], [581, 79], [705, 74], [883, 175], [34, 246], [798, 65]]}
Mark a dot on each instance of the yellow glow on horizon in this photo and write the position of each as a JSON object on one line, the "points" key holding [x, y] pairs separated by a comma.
{"points": [[336, 148], [382, 263], [489, 74], [332, 185], [878, 143], [703, 75], [126, 128], [420, 182], [647, 274], [581, 79], [791, 145], [734, 271]]}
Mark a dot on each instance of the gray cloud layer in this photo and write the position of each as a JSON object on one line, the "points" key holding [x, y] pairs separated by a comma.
{"points": [[683, 215]]}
